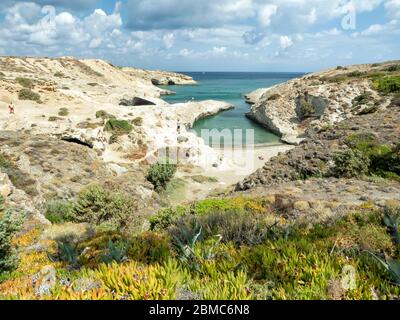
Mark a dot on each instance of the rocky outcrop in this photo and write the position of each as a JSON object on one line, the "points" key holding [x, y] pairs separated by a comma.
{"points": [[136, 101], [161, 78], [41, 167], [314, 156], [87, 93], [330, 99]]}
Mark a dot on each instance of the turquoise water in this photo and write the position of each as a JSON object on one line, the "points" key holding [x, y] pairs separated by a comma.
{"points": [[229, 87]]}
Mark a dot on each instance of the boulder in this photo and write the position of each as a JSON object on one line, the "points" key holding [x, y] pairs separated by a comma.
{"points": [[136, 101], [6, 186]]}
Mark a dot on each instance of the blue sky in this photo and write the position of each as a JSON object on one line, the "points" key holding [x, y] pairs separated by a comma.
{"points": [[206, 35]]}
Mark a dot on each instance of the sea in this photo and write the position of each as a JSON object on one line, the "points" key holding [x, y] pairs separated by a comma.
{"points": [[230, 87]]}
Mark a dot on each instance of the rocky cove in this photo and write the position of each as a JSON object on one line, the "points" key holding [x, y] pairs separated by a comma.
{"points": [[80, 157]]}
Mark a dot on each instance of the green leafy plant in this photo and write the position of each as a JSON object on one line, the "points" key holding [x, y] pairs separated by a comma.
{"points": [[119, 127], [27, 94], [25, 82], [63, 112], [9, 226], [391, 266], [68, 252], [58, 211], [391, 220], [388, 84], [104, 115], [351, 163], [160, 174], [137, 121], [115, 252], [98, 206]]}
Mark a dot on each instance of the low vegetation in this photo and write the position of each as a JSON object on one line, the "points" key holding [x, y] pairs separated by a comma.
{"points": [[25, 82], [366, 156], [97, 206], [305, 109], [27, 94], [218, 249], [388, 84], [104, 115], [63, 112], [9, 226], [159, 174], [118, 127]]}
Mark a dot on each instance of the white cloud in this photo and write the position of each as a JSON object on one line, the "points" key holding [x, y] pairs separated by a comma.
{"points": [[185, 52], [285, 42], [168, 40], [219, 50], [265, 14], [95, 43], [393, 8]]}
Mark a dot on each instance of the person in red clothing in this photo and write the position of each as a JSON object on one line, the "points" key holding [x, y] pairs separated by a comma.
{"points": [[11, 108]]}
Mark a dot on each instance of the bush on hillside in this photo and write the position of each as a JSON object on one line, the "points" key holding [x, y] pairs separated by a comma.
{"points": [[25, 82], [104, 115], [160, 174], [351, 163], [9, 226], [63, 112], [118, 127], [58, 211], [101, 207], [388, 84], [27, 94]]}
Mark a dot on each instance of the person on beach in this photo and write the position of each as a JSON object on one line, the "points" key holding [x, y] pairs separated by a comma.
{"points": [[178, 126], [11, 108]]}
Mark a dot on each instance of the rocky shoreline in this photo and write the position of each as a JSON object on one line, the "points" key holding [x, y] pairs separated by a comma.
{"points": [[328, 95]]}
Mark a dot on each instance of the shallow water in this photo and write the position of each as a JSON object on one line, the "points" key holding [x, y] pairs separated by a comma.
{"points": [[229, 87]]}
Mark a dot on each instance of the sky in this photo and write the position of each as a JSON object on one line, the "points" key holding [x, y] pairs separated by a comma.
{"points": [[206, 35]]}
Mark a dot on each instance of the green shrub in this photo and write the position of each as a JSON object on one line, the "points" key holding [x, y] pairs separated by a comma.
{"points": [[137, 121], [388, 84], [363, 98], [27, 94], [118, 127], [235, 226], [54, 118], [58, 211], [351, 163], [393, 68], [104, 115], [101, 207], [383, 160], [116, 252], [149, 247], [59, 74], [305, 108], [67, 252], [160, 174], [63, 112], [25, 82], [113, 139], [93, 84], [356, 74], [9, 226]]}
